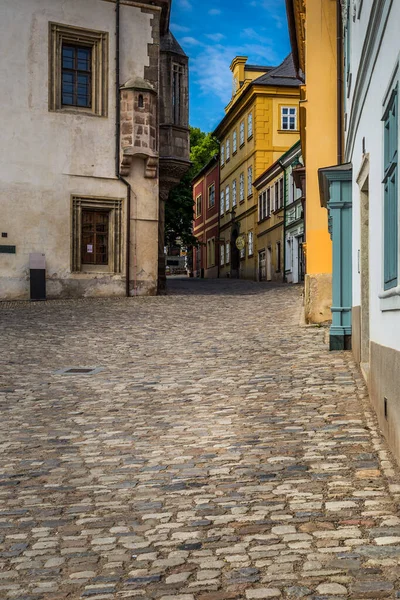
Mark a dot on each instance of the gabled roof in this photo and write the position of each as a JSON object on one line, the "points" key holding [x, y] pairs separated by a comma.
{"points": [[169, 43], [285, 75]]}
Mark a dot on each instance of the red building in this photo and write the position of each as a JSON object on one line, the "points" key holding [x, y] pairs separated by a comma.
{"points": [[205, 188]]}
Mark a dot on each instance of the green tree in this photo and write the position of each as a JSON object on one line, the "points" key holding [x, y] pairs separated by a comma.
{"points": [[179, 207]]}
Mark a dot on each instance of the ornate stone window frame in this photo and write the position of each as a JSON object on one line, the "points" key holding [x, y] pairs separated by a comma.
{"points": [[98, 42], [114, 207]]}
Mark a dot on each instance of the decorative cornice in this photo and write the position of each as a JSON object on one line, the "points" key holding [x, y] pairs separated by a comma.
{"points": [[150, 161]]}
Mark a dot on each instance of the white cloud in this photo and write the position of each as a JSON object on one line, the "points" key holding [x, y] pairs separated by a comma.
{"points": [[191, 41], [185, 4], [180, 28], [214, 12], [215, 37]]}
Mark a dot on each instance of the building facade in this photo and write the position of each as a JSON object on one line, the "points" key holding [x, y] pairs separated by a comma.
{"points": [[261, 123], [316, 58], [206, 255], [372, 81], [94, 131], [280, 225]]}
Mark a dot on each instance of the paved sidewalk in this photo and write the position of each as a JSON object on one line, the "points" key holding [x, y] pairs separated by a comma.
{"points": [[222, 454]]}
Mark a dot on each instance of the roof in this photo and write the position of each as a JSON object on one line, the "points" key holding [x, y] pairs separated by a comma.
{"points": [[168, 43], [283, 75]]}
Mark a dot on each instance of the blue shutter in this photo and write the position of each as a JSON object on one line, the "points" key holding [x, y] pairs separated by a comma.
{"points": [[390, 247]]}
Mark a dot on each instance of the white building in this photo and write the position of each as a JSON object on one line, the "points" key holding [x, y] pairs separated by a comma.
{"points": [[372, 73], [93, 131]]}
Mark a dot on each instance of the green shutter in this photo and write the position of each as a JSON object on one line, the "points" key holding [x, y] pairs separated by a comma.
{"points": [[391, 243]]}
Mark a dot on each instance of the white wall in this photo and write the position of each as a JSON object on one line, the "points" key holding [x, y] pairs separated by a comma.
{"points": [[45, 157], [384, 326]]}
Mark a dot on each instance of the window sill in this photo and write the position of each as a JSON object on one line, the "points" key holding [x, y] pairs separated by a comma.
{"points": [[241, 202], [227, 160], [250, 137], [250, 255], [241, 145], [289, 131], [70, 110], [390, 299], [234, 152], [249, 196]]}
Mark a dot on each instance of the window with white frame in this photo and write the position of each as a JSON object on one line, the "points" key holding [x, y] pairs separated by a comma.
{"points": [[227, 252], [234, 193], [211, 196], [222, 155], [281, 191], [222, 203], [276, 195], [241, 187], [250, 244], [241, 133], [250, 125], [242, 253], [227, 198], [289, 118], [262, 206], [228, 150], [250, 181], [268, 202], [222, 255], [234, 142]]}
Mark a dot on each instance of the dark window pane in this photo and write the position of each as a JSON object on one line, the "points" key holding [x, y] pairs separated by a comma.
{"points": [[68, 54], [76, 81], [68, 99]]}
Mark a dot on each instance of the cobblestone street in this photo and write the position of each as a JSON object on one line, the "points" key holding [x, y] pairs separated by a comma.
{"points": [[222, 453]]}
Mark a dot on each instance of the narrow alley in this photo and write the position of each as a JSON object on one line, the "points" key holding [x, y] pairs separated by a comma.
{"points": [[219, 452]]}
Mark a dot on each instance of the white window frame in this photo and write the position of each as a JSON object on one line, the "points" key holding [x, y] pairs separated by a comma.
{"points": [[241, 133], [227, 253], [249, 125], [250, 244], [234, 142], [227, 199], [222, 255], [228, 150], [234, 193], [222, 202], [249, 181], [241, 187], [288, 112], [222, 155], [211, 187]]}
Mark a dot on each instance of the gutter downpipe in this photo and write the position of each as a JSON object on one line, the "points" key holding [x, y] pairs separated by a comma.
{"points": [[117, 149], [284, 222], [339, 51]]}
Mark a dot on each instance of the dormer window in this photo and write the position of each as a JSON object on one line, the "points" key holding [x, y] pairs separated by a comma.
{"points": [[177, 83]]}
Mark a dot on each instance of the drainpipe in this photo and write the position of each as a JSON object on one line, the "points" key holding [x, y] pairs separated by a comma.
{"points": [[284, 223], [339, 51], [117, 148]]}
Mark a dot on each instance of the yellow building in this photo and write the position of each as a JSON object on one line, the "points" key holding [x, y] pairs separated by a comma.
{"points": [[260, 124], [316, 56]]}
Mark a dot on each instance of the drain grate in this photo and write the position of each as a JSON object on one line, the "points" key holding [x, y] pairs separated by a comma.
{"points": [[79, 371]]}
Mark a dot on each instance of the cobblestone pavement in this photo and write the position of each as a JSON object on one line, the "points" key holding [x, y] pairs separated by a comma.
{"points": [[223, 453]]}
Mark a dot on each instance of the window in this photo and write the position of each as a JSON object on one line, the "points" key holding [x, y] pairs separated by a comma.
{"points": [[228, 150], [222, 203], [211, 196], [222, 255], [390, 182], [278, 257], [234, 142], [227, 252], [242, 253], [241, 187], [289, 118], [234, 193], [96, 235], [199, 202], [222, 155], [268, 202], [281, 193], [241, 133], [227, 198], [76, 79], [250, 244], [250, 181], [276, 195], [250, 125], [78, 72], [177, 87], [262, 206]]}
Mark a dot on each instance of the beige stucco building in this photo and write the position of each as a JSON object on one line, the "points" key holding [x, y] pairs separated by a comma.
{"points": [[94, 127]]}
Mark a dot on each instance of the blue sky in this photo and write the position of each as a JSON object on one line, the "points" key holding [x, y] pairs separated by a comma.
{"points": [[212, 33]]}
